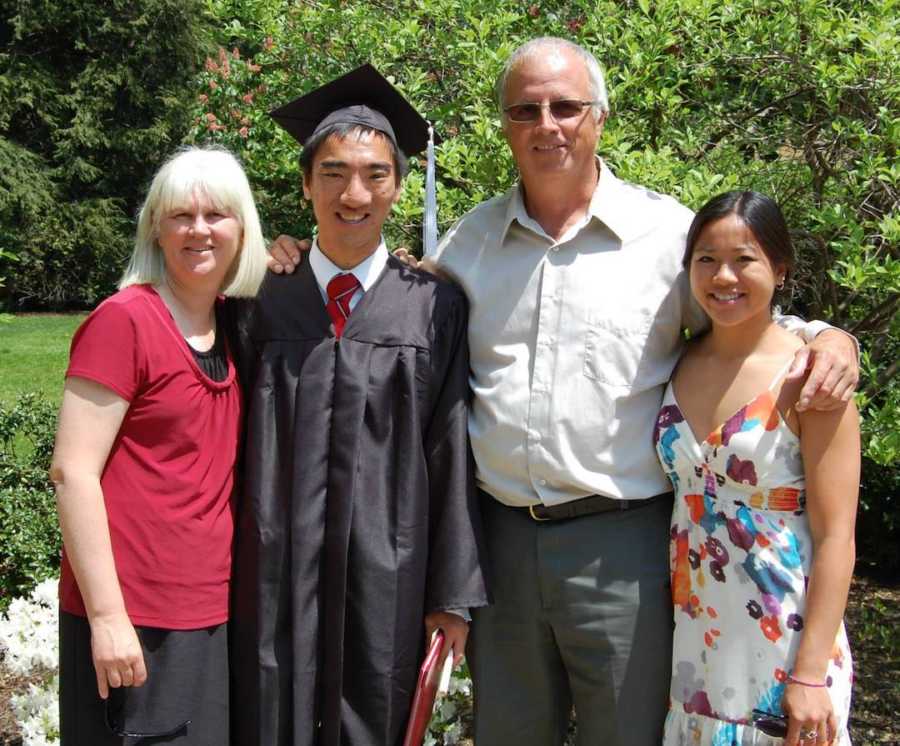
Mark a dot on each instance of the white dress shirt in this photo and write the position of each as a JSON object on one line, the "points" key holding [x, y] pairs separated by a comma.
{"points": [[366, 272], [571, 342]]}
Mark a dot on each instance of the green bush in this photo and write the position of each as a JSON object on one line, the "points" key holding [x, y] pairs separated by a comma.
{"points": [[29, 532], [91, 101], [878, 521], [798, 100]]}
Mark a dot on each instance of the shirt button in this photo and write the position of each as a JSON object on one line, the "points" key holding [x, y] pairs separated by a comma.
{"points": [[555, 249], [542, 482]]}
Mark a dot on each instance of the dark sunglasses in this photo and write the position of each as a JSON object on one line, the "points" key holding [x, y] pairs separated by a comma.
{"points": [[565, 108], [113, 714], [772, 725]]}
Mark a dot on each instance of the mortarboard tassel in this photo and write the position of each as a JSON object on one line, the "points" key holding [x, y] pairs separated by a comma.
{"points": [[429, 223]]}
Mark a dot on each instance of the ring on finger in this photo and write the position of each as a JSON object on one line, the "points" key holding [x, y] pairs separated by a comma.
{"points": [[809, 735]]}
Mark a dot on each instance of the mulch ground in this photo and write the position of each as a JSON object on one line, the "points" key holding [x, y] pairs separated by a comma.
{"points": [[873, 624]]}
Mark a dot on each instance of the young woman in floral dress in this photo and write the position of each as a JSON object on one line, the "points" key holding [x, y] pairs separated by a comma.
{"points": [[762, 545]]}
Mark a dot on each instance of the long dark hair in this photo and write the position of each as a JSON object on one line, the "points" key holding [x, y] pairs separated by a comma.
{"points": [[759, 213]]}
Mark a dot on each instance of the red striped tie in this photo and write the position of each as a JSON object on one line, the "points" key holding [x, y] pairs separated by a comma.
{"points": [[340, 290]]}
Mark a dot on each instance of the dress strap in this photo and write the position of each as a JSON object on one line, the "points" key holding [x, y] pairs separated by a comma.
{"points": [[780, 374]]}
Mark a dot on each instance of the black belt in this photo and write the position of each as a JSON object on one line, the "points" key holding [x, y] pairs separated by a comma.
{"points": [[587, 506]]}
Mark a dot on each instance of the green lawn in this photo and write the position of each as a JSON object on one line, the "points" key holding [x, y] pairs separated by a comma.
{"points": [[34, 350]]}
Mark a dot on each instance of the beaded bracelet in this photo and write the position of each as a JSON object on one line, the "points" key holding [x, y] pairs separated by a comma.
{"points": [[792, 680]]}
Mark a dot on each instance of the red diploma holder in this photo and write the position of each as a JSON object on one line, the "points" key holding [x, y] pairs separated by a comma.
{"points": [[426, 690]]}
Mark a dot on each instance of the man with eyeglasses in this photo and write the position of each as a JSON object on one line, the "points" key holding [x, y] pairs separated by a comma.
{"points": [[577, 302]]}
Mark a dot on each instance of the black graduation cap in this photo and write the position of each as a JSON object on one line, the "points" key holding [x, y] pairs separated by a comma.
{"points": [[363, 96]]}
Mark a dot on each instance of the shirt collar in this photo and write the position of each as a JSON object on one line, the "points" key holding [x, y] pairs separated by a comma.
{"points": [[367, 271], [606, 206]]}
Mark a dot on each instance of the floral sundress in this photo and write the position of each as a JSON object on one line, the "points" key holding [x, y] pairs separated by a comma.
{"points": [[740, 553]]}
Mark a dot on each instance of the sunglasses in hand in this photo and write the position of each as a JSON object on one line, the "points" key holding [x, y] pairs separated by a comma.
{"points": [[772, 725]]}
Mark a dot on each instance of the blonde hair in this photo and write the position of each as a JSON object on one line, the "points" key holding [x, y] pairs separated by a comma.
{"points": [[219, 176]]}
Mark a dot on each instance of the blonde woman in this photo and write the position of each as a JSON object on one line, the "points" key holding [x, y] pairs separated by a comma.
{"points": [[143, 469]]}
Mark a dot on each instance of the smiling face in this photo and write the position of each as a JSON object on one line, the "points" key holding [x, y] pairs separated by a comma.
{"points": [[199, 241], [352, 186], [547, 147], [731, 275]]}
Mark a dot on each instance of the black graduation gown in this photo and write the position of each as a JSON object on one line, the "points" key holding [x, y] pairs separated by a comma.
{"points": [[357, 513]]}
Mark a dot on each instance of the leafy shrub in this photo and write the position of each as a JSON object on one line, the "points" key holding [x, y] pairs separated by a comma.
{"points": [[878, 521], [798, 100], [29, 646], [91, 101], [29, 532]]}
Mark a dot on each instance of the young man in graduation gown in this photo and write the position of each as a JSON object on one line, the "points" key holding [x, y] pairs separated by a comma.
{"points": [[358, 530]]}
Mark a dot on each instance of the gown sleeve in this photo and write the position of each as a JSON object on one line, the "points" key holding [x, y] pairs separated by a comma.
{"points": [[455, 577], [239, 317]]}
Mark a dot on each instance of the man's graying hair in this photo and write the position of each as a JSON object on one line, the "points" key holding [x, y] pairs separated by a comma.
{"points": [[540, 47]]}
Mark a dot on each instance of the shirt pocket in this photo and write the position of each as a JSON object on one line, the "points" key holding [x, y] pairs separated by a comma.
{"points": [[623, 352]]}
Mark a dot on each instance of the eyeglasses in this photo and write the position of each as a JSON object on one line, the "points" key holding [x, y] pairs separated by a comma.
{"points": [[565, 108]]}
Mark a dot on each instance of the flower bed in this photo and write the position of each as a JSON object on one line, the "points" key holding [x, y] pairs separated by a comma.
{"points": [[29, 650], [29, 653]]}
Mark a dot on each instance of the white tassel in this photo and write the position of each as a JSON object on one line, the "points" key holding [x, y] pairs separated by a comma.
{"points": [[429, 223]]}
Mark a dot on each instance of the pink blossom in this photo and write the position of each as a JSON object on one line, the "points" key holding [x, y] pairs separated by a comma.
{"points": [[203, 98], [244, 131], [235, 53], [269, 43], [211, 65], [210, 117], [254, 68], [213, 85], [247, 98]]}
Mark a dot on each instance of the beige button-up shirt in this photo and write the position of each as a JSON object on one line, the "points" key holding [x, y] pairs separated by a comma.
{"points": [[572, 341]]}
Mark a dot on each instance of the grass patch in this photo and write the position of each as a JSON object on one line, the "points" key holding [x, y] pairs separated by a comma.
{"points": [[34, 351]]}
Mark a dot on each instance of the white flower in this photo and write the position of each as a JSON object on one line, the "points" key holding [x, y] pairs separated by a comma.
{"points": [[29, 632], [460, 684], [29, 644], [453, 734], [37, 713]]}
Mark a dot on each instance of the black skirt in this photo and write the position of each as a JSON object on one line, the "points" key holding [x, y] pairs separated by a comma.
{"points": [[184, 701]]}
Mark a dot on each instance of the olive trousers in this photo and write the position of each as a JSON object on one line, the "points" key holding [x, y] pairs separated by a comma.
{"points": [[582, 617]]}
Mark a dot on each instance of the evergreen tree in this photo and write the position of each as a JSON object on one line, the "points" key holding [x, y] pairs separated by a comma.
{"points": [[92, 99]]}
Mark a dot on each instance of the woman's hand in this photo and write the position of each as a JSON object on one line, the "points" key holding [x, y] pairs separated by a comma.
{"points": [[811, 719], [116, 650]]}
